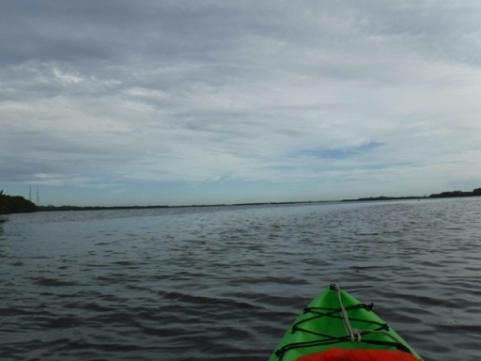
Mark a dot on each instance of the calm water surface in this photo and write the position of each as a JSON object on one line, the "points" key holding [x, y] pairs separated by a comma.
{"points": [[225, 283]]}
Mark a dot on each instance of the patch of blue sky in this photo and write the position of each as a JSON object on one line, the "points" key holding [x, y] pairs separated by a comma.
{"points": [[341, 153]]}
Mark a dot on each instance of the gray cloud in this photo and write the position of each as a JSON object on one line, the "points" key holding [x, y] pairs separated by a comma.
{"points": [[202, 91]]}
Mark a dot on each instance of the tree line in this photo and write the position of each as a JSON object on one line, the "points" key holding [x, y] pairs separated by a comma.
{"points": [[475, 192], [18, 204], [15, 204]]}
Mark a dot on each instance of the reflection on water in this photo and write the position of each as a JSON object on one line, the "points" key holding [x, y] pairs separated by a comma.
{"points": [[224, 283]]}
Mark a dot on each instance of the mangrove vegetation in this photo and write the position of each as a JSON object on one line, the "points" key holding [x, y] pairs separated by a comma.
{"points": [[15, 204]]}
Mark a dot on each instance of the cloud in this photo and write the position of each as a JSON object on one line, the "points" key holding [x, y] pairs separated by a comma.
{"points": [[121, 92]]}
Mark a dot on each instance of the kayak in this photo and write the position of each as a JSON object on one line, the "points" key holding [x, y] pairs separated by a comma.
{"points": [[335, 326]]}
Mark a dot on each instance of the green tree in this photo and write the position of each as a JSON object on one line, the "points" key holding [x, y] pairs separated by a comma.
{"points": [[15, 204], [3, 206]]}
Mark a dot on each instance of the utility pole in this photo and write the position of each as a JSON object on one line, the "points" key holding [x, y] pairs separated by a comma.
{"points": [[38, 197]]}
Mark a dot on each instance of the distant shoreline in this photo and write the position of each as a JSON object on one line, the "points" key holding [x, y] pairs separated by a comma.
{"points": [[22, 205], [95, 208], [451, 194], [383, 198]]}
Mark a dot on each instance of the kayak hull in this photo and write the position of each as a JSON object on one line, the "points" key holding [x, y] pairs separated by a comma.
{"points": [[322, 326]]}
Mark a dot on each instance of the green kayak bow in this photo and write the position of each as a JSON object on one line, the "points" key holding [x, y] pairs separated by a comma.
{"points": [[336, 323]]}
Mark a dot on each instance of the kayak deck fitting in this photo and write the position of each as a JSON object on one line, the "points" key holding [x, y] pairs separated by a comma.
{"points": [[336, 326]]}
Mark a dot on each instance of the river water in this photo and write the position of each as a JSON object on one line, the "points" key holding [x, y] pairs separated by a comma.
{"points": [[224, 283]]}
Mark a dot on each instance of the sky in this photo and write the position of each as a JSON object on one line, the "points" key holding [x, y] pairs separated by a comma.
{"points": [[180, 102]]}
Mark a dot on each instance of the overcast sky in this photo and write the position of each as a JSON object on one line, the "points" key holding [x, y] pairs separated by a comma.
{"points": [[121, 102]]}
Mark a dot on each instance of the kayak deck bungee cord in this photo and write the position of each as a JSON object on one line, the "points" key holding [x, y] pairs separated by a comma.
{"points": [[335, 326]]}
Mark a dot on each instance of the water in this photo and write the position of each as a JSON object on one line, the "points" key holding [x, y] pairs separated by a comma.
{"points": [[225, 283]]}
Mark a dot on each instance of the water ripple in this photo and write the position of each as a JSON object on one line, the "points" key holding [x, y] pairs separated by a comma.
{"points": [[224, 283]]}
